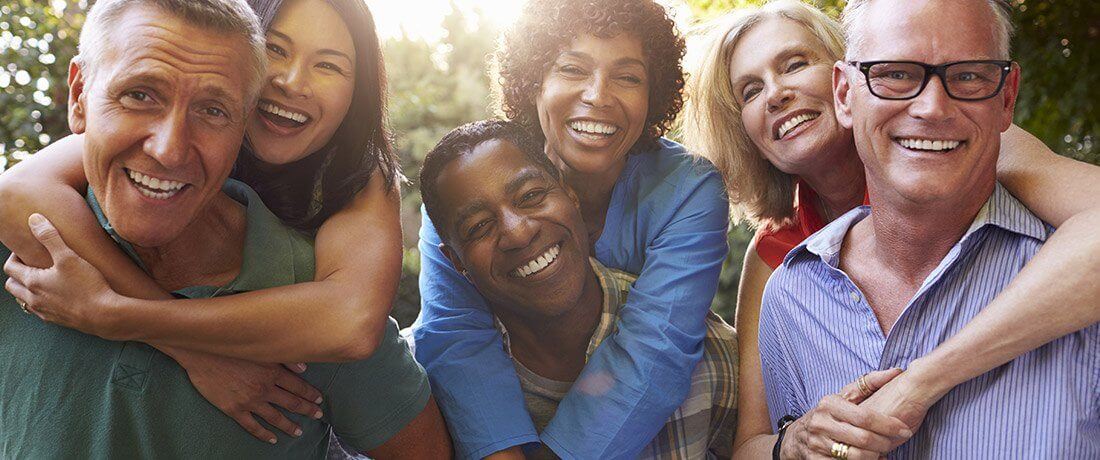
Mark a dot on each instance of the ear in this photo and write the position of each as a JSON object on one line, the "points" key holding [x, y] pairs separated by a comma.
{"points": [[1011, 92], [842, 94], [452, 256], [78, 110]]}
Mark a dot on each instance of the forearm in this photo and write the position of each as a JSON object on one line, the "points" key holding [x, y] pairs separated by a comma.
{"points": [[1053, 295], [307, 322]]}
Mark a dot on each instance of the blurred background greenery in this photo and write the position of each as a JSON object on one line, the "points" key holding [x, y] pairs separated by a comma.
{"points": [[439, 81]]}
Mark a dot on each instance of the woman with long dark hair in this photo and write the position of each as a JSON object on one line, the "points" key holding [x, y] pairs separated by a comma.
{"points": [[318, 153]]}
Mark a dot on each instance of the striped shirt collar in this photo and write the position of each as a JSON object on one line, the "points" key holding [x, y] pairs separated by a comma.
{"points": [[1001, 210]]}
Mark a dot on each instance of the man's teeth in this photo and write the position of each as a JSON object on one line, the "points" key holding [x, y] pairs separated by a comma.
{"points": [[161, 189], [538, 263], [593, 127], [926, 144], [272, 109], [793, 123]]}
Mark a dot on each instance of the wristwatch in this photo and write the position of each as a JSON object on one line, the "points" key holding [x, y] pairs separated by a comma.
{"points": [[784, 422]]}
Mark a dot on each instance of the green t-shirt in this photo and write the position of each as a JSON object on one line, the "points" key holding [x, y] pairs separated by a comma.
{"points": [[65, 394]]}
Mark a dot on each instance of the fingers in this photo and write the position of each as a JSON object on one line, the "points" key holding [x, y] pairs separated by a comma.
{"points": [[299, 387], [823, 447], [15, 268], [293, 403], [867, 384], [245, 420], [297, 368], [23, 296], [276, 419], [44, 231], [866, 419]]}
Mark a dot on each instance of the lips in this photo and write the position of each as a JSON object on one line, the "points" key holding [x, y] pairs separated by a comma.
{"points": [[153, 187], [282, 119], [594, 133], [537, 264], [928, 145], [785, 125]]}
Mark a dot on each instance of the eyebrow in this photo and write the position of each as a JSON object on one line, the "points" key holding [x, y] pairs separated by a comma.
{"points": [[528, 174], [624, 61], [469, 210], [323, 51], [786, 53]]}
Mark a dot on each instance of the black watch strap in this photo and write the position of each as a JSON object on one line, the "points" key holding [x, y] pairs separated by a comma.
{"points": [[782, 425]]}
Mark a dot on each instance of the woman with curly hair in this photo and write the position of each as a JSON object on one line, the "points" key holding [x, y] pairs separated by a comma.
{"points": [[761, 108], [599, 81], [318, 154]]}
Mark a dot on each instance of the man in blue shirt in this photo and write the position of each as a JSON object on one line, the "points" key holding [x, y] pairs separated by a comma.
{"points": [[927, 91]]}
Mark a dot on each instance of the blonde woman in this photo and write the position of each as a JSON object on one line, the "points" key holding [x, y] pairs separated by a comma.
{"points": [[760, 107]]}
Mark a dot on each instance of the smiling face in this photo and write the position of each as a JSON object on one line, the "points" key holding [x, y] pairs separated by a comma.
{"points": [[931, 148], [311, 70], [593, 104], [780, 74], [163, 115], [514, 229]]}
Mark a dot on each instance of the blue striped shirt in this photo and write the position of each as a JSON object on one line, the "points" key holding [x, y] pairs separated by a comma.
{"points": [[817, 333]]}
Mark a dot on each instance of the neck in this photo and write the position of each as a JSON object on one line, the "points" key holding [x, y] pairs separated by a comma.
{"points": [[915, 237], [593, 192], [555, 347], [208, 252], [840, 185]]}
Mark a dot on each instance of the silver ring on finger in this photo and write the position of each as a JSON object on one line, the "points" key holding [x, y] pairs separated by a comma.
{"points": [[839, 451], [23, 306]]}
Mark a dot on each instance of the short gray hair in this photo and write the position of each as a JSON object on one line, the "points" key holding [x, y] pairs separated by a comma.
{"points": [[1002, 27], [232, 17]]}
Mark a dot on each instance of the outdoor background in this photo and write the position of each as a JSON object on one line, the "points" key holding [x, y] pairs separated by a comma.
{"points": [[436, 53]]}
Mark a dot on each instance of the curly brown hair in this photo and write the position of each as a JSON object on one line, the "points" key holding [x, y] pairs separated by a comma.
{"points": [[546, 27]]}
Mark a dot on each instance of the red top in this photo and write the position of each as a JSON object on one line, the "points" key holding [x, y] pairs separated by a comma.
{"points": [[773, 246]]}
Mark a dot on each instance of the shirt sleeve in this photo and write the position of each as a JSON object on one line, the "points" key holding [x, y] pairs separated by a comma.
{"points": [[773, 360], [640, 374], [474, 380], [369, 401]]}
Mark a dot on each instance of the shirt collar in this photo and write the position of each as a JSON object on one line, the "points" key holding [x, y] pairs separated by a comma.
{"points": [[270, 248], [1001, 210]]}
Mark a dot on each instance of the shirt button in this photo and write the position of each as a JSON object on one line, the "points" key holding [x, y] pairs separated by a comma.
{"points": [[854, 296]]}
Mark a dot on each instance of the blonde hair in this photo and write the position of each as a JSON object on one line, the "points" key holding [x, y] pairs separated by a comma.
{"points": [[712, 127]]}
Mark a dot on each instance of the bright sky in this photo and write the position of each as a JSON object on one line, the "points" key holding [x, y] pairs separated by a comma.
{"points": [[423, 18]]}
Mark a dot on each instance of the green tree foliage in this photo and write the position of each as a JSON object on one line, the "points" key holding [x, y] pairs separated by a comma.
{"points": [[37, 40]]}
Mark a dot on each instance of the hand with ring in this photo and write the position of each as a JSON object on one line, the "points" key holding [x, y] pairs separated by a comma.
{"points": [[839, 428]]}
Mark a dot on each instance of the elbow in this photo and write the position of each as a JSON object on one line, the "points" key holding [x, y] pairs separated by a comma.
{"points": [[361, 332]]}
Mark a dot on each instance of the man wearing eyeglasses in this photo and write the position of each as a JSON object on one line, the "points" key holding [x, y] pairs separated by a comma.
{"points": [[927, 88]]}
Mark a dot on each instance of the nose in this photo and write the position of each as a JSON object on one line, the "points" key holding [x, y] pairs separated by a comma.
{"points": [[168, 143], [596, 93], [517, 231], [932, 104], [779, 96], [291, 80]]}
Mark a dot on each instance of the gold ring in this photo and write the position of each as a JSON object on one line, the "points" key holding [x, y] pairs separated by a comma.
{"points": [[864, 388], [23, 306], [840, 451]]}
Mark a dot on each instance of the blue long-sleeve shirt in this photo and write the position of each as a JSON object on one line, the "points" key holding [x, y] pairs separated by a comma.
{"points": [[667, 221]]}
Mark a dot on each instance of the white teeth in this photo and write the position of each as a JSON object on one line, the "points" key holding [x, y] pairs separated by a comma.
{"points": [[926, 144], [593, 127], [272, 109], [793, 123], [538, 264], [160, 189]]}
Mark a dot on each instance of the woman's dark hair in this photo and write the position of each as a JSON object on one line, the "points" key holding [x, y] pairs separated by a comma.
{"points": [[305, 193], [546, 27]]}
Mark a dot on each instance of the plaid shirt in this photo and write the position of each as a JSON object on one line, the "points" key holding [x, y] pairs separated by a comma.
{"points": [[703, 426]]}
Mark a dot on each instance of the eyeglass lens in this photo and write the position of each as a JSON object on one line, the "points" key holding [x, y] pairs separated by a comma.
{"points": [[964, 80]]}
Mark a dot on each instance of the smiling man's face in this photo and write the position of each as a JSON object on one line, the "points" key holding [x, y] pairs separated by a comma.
{"points": [[163, 117], [930, 148], [514, 230]]}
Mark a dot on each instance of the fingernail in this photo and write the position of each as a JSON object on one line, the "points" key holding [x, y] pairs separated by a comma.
{"points": [[906, 434], [301, 367], [317, 415], [36, 219], [319, 399], [298, 432], [271, 441]]}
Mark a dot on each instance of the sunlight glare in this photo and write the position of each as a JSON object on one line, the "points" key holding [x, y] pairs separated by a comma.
{"points": [[422, 19]]}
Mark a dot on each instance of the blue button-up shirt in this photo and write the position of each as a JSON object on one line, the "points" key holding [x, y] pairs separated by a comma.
{"points": [[667, 221], [817, 333]]}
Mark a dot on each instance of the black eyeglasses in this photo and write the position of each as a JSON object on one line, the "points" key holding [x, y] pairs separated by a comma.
{"points": [[963, 80]]}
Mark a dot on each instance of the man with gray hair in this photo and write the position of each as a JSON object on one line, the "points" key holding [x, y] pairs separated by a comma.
{"points": [[161, 94], [927, 89]]}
